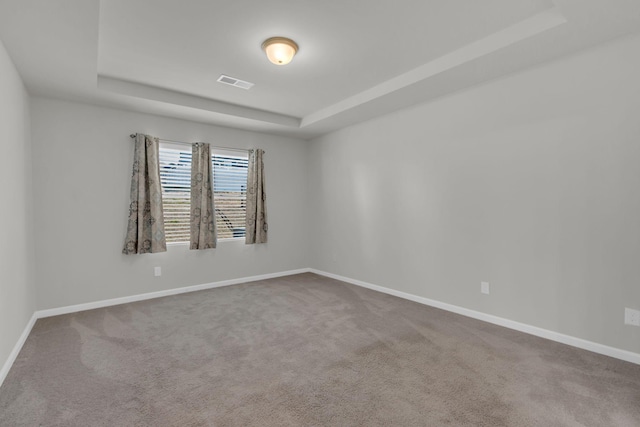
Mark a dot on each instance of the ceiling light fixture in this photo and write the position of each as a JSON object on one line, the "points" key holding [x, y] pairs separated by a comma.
{"points": [[280, 50]]}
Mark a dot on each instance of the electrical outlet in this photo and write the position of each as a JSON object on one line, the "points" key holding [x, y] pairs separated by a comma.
{"points": [[157, 271], [631, 317], [484, 287]]}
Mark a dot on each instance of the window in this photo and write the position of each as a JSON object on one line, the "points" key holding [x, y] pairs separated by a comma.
{"points": [[229, 192]]}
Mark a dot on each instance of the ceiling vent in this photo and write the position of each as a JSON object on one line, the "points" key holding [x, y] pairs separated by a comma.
{"points": [[234, 82]]}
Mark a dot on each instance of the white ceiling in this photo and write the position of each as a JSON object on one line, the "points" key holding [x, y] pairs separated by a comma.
{"points": [[358, 58]]}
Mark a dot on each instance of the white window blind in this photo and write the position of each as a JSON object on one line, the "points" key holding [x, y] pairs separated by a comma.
{"points": [[175, 177], [229, 192]]}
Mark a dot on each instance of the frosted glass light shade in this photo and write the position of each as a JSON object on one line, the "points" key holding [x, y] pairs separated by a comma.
{"points": [[280, 50]]}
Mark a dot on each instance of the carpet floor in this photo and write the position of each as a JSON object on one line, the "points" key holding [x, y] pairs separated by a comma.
{"points": [[305, 350]]}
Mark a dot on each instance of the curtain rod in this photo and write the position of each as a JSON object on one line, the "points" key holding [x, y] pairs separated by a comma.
{"points": [[244, 150]]}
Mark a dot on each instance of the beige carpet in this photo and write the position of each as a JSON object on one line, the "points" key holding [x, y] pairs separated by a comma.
{"points": [[305, 350]]}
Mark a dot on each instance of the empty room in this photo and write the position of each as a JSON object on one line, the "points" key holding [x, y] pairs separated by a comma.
{"points": [[320, 213]]}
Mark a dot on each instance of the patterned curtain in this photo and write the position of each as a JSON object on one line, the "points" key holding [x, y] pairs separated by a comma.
{"points": [[145, 232], [256, 226], [203, 224]]}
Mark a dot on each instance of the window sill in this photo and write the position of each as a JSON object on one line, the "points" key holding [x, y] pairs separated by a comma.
{"points": [[222, 241]]}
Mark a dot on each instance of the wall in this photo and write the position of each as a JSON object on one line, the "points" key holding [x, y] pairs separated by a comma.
{"points": [[17, 290], [530, 182], [82, 166]]}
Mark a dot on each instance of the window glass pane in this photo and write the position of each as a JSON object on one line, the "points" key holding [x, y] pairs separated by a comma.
{"points": [[229, 186], [175, 177], [230, 194]]}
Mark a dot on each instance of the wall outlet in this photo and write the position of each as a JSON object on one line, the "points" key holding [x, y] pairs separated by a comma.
{"points": [[484, 287], [631, 317], [157, 271]]}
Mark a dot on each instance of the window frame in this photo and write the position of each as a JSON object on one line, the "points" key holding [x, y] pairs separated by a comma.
{"points": [[214, 152]]}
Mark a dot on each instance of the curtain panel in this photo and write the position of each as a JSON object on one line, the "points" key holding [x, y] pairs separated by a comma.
{"points": [[145, 230], [203, 223], [256, 224]]}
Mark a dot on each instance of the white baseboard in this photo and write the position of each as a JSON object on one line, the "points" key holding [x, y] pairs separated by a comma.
{"points": [[522, 327], [140, 297], [40, 314], [16, 348]]}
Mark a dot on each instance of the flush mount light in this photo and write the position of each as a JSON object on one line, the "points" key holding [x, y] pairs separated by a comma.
{"points": [[280, 50]]}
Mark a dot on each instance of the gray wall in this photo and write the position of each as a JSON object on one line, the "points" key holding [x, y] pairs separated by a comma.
{"points": [[17, 296], [82, 165], [531, 182]]}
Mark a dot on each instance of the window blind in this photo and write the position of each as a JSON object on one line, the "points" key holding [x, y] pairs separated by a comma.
{"points": [[175, 178], [229, 193]]}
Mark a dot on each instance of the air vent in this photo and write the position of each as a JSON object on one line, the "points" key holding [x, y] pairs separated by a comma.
{"points": [[235, 82]]}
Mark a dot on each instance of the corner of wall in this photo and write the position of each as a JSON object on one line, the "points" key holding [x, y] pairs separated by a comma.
{"points": [[17, 260]]}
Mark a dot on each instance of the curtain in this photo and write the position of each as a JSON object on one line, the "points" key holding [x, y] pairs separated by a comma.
{"points": [[145, 232], [203, 223], [256, 226]]}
